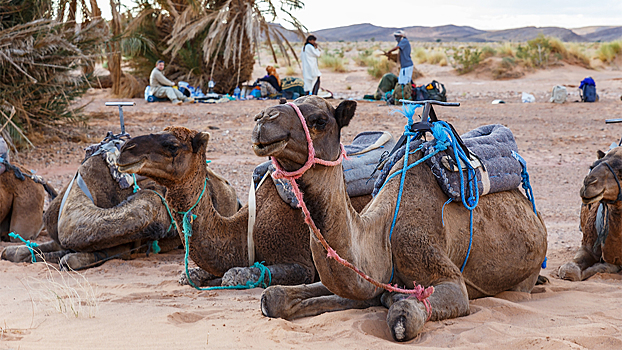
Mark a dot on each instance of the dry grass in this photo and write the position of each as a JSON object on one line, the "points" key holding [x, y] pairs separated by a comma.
{"points": [[65, 292], [333, 62], [607, 52], [380, 67]]}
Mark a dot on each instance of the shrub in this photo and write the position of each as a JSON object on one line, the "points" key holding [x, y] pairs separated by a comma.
{"points": [[335, 63], [437, 57], [503, 69], [607, 52], [420, 55], [488, 52], [290, 70], [365, 58], [465, 59], [380, 67], [506, 50]]}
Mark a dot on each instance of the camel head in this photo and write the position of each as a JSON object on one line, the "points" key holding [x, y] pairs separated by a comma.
{"points": [[279, 132], [600, 183], [169, 156]]}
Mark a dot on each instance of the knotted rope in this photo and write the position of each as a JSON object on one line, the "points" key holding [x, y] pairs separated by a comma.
{"points": [[187, 220], [28, 244], [419, 292]]}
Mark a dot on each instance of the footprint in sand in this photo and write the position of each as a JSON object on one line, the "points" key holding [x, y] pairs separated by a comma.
{"points": [[184, 318]]}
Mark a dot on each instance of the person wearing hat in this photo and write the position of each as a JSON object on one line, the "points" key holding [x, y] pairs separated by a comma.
{"points": [[406, 63], [163, 88]]}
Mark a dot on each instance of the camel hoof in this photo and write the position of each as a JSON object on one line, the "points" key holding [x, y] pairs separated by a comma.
{"points": [[405, 320], [542, 280], [570, 271], [240, 276], [16, 254], [273, 302], [199, 277], [77, 261]]}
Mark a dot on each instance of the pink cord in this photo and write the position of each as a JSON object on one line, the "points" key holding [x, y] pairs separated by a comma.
{"points": [[419, 292]]}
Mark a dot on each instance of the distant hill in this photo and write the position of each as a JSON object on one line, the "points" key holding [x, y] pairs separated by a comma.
{"points": [[367, 31]]}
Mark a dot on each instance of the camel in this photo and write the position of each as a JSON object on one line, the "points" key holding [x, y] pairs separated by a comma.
{"points": [[22, 197], [115, 223], [600, 252], [509, 243], [219, 245]]}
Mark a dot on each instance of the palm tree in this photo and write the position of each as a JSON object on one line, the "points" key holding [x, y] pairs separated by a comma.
{"points": [[41, 50], [208, 39]]}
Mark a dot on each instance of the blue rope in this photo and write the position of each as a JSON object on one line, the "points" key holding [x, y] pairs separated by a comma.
{"points": [[443, 210], [188, 217], [136, 188], [28, 244], [525, 176], [442, 134]]}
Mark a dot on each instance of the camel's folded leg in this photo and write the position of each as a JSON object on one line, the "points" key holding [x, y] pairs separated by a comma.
{"points": [[48, 251], [407, 314], [200, 278], [280, 274], [84, 260], [574, 270], [87, 228], [290, 302]]}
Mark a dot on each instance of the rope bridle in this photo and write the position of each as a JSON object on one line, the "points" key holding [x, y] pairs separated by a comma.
{"points": [[615, 177], [419, 292]]}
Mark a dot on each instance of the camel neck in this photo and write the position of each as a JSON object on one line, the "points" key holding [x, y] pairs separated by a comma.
{"points": [[186, 193], [362, 239], [612, 248]]}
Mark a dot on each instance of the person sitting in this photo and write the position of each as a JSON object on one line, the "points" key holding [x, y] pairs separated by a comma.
{"points": [[163, 88], [272, 77]]}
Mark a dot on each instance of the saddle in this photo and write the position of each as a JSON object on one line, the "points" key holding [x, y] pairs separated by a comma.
{"points": [[4, 154], [358, 169], [493, 155], [108, 149]]}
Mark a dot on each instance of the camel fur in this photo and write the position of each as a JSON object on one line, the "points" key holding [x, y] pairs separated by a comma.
{"points": [[175, 158], [21, 205], [509, 240], [599, 186]]}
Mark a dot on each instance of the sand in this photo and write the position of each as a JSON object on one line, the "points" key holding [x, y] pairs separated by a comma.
{"points": [[138, 304]]}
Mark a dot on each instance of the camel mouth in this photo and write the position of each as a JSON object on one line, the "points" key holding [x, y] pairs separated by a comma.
{"points": [[132, 168], [267, 149], [594, 199]]}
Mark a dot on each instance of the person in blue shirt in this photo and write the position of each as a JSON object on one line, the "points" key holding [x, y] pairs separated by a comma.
{"points": [[406, 63]]}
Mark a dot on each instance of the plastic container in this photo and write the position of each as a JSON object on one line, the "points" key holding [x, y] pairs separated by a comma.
{"points": [[236, 93]]}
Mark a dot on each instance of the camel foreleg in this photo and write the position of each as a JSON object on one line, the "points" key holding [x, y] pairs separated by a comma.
{"points": [[407, 314], [280, 274], [200, 278], [576, 270], [291, 302]]}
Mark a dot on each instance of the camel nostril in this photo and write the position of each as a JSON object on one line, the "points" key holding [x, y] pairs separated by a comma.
{"points": [[591, 182], [274, 116]]}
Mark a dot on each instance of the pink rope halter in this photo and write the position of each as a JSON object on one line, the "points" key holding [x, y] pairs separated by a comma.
{"points": [[419, 292]]}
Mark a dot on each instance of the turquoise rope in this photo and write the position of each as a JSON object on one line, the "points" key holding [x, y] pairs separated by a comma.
{"points": [[168, 210], [188, 217], [136, 188], [28, 244], [155, 247]]}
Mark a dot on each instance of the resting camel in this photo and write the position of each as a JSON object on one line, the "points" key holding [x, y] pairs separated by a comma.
{"points": [[21, 202], [115, 223], [219, 245], [509, 242], [599, 251]]}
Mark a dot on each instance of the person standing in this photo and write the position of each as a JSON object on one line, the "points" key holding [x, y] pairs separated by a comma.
{"points": [[406, 63], [163, 88], [310, 70]]}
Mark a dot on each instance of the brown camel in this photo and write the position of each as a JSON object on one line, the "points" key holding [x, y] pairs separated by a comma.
{"points": [[116, 223], [509, 242], [21, 203], [219, 245], [600, 189]]}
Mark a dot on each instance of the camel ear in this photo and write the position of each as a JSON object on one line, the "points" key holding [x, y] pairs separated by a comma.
{"points": [[199, 141], [600, 154], [345, 112]]}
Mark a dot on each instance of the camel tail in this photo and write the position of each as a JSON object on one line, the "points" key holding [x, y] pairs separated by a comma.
{"points": [[50, 190]]}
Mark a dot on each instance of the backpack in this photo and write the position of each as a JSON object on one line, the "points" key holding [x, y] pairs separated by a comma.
{"points": [[402, 92], [559, 94], [588, 90], [432, 91]]}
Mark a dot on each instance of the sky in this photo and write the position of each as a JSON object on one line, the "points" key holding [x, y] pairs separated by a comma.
{"points": [[480, 14]]}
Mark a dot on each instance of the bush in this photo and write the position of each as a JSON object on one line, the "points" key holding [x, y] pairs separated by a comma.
{"points": [[465, 59], [607, 52], [488, 52], [504, 68], [380, 67], [365, 58], [506, 50], [335, 63]]}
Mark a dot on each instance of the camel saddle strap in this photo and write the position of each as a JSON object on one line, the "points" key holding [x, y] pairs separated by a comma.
{"points": [[252, 215], [81, 184]]}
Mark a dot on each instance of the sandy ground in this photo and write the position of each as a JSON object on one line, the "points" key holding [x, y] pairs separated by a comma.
{"points": [[139, 305]]}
